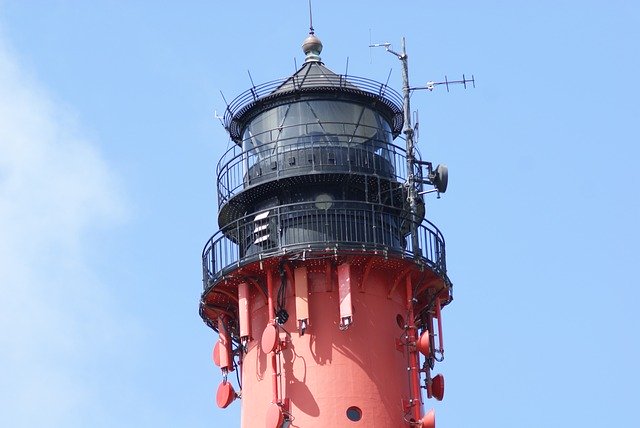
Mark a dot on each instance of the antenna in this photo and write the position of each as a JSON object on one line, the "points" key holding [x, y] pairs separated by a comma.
{"points": [[438, 177], [370, 54], [311, 31], [387, 47], [432, 85], [217, 116], [413, 185], [225, 101], [388, 77], [253, 85], [228, 108]]}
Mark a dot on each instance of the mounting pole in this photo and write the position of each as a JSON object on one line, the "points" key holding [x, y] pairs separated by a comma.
{"points": [[408, 132]]}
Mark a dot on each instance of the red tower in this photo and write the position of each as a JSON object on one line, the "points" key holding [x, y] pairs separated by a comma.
{"points": [[325, 282]]}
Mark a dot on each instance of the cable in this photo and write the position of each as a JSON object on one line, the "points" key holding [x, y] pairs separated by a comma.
{"points": [[281, 313], [235, 367]]}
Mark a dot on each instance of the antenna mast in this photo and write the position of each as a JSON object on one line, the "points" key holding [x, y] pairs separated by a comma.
{"points": [[311, 31], [438, 177], [408, 132]]}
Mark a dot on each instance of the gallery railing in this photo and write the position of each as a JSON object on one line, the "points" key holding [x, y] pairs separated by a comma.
{"points": [[317, 229], [240, 170]]}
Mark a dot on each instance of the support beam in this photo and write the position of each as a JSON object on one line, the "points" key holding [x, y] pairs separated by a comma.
{"points": [[244, 311], [344, 291], [273, 354], [302, 298], [226, 359], [414, 359]]}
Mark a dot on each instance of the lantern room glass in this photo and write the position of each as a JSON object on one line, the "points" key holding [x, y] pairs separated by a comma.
{"points": [[315, 123]]}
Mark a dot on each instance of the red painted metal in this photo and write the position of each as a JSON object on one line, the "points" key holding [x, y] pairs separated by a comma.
{"points": [[429, 333], [437, 387], [275, 416], [302, 298], [269, 340], [423, 344], [439, 317], [344, 294], [429, 420], [273, 357], [414, 360], [327, 370], [244, 310], [225, 395], [215, 354], [224, 354]]}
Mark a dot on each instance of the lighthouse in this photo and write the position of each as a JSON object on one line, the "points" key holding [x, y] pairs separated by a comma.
{"points": [[325, 283]]}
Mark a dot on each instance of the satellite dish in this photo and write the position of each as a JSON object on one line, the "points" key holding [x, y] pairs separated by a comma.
{"points": [[441, 178], [429, 420], [269, 340], [423, 344], [275, 417], [216, 354], [437, 387], [225, 395]]}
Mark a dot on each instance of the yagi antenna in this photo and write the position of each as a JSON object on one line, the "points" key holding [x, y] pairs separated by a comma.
{"points": [[437, 177], [370, 54], [432, 85], [387, 47]]}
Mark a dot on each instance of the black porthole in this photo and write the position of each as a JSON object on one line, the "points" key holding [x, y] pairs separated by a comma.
{"points": [[400, 321], [354, 413]]}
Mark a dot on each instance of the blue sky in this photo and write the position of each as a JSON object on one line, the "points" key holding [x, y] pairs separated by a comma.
{"points": [[108, 147]]}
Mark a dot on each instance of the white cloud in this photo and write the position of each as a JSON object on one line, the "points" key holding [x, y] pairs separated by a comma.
{"points": [[54, 314]]}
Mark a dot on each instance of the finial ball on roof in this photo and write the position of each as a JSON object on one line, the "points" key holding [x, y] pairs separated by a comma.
{"points": [[312, 45]]}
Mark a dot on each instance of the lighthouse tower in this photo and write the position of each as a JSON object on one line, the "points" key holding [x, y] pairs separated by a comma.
{"points": [[325, 282]]}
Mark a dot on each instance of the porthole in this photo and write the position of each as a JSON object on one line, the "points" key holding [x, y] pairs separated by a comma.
{"points": [[354, 413], [400, 321]]}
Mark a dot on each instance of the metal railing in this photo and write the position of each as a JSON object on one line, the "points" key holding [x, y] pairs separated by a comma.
{"points": [[239, 170], [335, 227], [334, 83]]}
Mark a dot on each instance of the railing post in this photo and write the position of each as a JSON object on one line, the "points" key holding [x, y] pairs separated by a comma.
{"points": [[279, 228]]}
